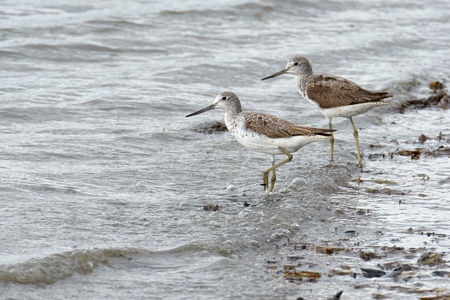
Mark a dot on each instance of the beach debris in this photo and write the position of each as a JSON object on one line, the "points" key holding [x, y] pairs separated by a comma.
{"points": [[337, 296], [414, 154], [213, 127], [403, 272], [430, 259], [368, 255], [344, 271], [294, 257], [441, 297], [423, 138], [371, 273], [436, 86], [329, 250], [292, 275], [439, 98], [407, 275], [441, 273], [211, 207], [385, 191]]}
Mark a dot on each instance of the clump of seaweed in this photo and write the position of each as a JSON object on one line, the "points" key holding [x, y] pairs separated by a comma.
{"points": [[439, 98]]}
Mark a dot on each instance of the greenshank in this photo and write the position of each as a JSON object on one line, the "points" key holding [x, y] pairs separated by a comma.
{"points": [[264, 132], [333, 96]]}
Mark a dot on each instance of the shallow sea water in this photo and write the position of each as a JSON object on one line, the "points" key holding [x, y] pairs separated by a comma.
{"points": [[103, 180]]}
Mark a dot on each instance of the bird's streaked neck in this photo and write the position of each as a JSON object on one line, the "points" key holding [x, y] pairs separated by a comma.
{"points": [[302, 76], [301, 81]]}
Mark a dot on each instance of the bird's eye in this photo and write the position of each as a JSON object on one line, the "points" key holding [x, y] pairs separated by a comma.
{"points": [[296, 64], [224, 98]]}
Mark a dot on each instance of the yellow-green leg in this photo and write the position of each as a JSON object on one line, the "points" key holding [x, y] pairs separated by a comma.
{"points": [[274, 166], [355, 134], [331, 140], [274, 174]]}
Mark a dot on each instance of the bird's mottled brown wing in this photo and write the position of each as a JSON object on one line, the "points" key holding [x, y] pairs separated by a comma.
{"points": [[333, 91], [274, 127]]}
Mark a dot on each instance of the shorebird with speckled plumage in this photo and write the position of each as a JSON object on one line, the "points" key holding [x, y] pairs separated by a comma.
{"points": [[333, 96], [265, 133]]}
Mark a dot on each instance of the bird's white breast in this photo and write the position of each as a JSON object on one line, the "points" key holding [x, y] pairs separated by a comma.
{"points": [[347, 111], [246, 137], [262, 143]]}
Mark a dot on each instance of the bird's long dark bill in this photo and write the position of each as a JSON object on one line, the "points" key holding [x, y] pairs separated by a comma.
{"points": [[275, 75], [212, 106]]}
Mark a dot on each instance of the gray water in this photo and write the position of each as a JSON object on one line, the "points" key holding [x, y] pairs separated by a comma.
{"points": [[103, 180]]}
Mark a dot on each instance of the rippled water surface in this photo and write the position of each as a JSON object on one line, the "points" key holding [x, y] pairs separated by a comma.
{"points": [[103, 180]]}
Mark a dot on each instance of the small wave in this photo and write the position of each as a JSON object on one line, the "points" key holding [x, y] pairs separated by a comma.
{"points": [[69, 51], [9, 53], [120, 23], [180, 12], [229, 11], [75, 46], [55, 267], [59, 266]]}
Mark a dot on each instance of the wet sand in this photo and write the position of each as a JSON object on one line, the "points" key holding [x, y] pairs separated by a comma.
{"points": [[383, 236], [389, 243]]}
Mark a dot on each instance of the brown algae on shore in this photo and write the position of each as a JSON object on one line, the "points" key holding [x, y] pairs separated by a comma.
{"points": [[439, 97], [212, 127]]}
